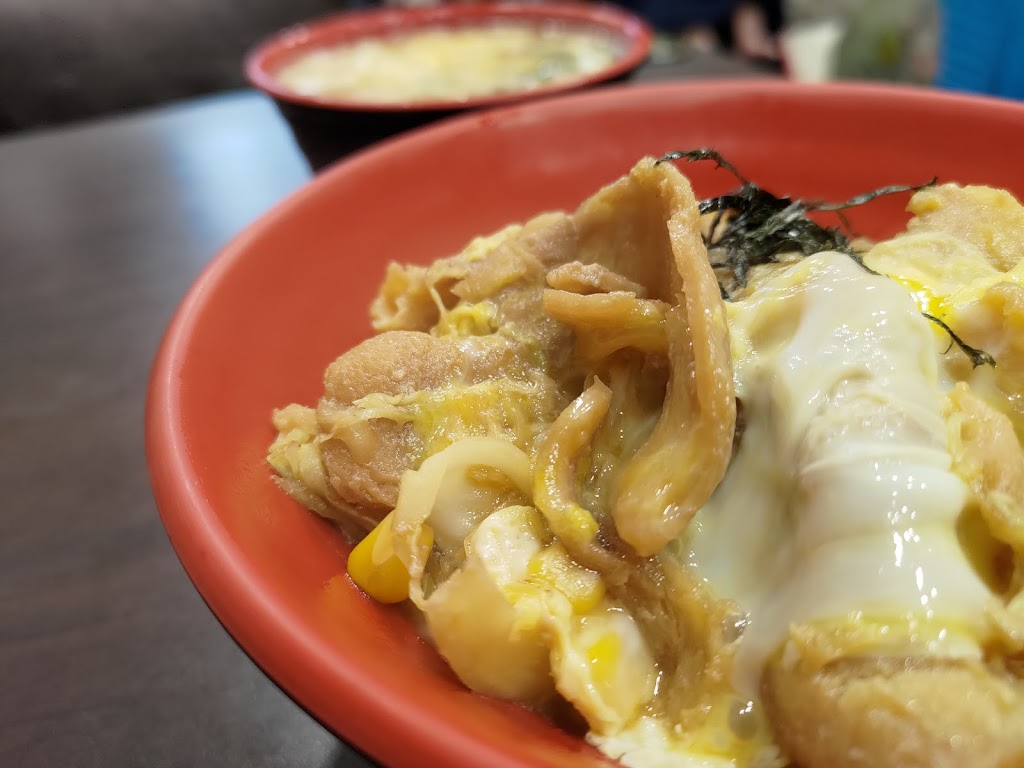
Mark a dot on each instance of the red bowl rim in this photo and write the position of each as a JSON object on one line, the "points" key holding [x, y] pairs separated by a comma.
{"points": [[262, 61], [231, 585]]}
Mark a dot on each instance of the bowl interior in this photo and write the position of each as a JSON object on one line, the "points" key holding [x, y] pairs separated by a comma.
{"points": [[630, 33], [292, 293]]}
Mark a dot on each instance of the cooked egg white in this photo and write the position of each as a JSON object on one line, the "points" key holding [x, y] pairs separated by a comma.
{"points": [[651, 743], [840, 505], [516, 618]]}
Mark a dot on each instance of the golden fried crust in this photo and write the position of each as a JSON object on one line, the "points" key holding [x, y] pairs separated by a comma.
{"points": [[900, 712], [392, 363], [987, 455], [990, 219]]}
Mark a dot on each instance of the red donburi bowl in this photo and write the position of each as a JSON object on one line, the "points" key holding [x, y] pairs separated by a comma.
{"points": [[631, 33], [291, 293]]}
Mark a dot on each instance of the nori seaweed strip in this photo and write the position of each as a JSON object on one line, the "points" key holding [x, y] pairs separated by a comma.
{"points": [[867, 197], [977, 356], [762, 227], [705, 153]]}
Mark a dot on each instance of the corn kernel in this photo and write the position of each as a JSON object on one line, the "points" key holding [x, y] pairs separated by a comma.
{"points": [[375, 568]]}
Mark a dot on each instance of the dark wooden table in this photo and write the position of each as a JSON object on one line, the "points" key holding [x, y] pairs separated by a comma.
{"points": [[108, 657]]}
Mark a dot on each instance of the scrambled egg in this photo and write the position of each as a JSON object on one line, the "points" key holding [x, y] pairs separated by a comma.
{"points": [[837, 582], [961, 261]]}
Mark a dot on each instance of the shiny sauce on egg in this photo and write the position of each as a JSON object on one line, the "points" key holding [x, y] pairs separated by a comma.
{"points": [[841, 505]]}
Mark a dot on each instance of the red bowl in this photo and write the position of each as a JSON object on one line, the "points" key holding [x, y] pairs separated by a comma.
{"points": [[291, 293], [266, 59]]}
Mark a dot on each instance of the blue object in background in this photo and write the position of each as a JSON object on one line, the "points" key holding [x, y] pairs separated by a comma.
{"points": [[982, 47]]}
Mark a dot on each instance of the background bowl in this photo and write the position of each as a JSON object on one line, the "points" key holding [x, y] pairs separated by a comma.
{"points": [[327, 128], [291, 293]]}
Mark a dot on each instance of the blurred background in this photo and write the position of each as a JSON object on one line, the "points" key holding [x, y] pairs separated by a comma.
{"points": [[63, 60]]}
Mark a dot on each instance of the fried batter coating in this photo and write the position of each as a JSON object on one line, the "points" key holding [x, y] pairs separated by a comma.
{"points": [[912, 712], [989, 219]]}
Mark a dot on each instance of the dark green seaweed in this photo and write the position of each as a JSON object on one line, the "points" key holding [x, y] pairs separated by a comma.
{"points": [[760, 227]]}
